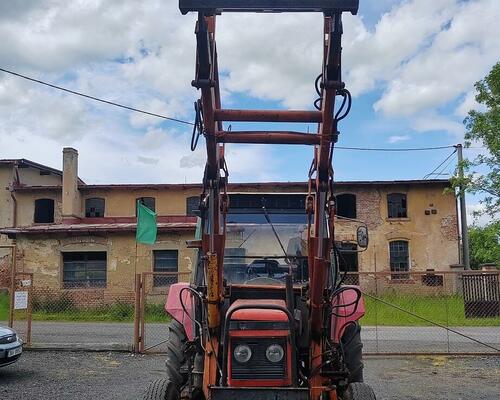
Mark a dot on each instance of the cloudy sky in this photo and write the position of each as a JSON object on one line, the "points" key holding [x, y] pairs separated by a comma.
{"points": [[410, 65]]}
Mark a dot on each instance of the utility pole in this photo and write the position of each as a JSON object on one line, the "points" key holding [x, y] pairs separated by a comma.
{"points": [[463, 211]]}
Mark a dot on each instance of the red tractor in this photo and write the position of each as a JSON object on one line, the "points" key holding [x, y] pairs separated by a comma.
{"points": [[266, 315]]}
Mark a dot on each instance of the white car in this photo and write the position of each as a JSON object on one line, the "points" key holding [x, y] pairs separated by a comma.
{"points": [[11, 346]]}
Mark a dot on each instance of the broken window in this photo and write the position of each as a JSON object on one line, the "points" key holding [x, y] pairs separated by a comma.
{"points": [[399, 259], [44, 211], [397, 206], [346, 205], [94, 207], [165, 261], [84, 269], [149, 202], [192, 205]]}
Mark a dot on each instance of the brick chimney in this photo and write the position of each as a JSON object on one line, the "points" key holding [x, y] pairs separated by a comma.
{"points": [[71, 201]]}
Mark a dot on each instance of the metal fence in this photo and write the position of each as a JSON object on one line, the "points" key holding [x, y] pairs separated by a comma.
{"points": [[430, 312], [151, 317], [406, 313]]}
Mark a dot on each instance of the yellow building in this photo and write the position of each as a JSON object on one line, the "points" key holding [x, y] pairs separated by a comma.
{"points": [[79, 239]]}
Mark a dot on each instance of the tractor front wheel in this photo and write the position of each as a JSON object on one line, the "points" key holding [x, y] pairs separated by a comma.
{"points": [[353, 348], [162, 389], [359, 391]]}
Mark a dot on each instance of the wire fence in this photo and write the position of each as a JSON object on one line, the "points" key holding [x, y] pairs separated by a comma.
{"points": [[406, 313]]}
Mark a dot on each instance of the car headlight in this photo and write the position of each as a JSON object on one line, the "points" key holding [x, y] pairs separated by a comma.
{"points": [[275, 353], [242, 353]]}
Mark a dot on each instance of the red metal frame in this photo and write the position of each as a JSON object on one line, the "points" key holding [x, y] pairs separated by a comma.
{"points": [[321, 176]]}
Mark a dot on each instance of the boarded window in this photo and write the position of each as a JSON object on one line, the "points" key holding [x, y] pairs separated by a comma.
{"points": [[399, 259], [346, 205], [86, 269], [165, 261], [44, 211], [397, 206], [192, 205], [94, 207], [149, 202]]}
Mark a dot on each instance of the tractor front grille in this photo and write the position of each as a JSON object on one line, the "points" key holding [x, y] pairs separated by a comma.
{"points": [[259, 367]]}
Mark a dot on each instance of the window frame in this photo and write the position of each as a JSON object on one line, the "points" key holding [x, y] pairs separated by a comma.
{"points": [[404, 196], [143, 199], [87, 283], [190, 210], [355, 204], [400, 274], [165, 281], [103, 206], [37, 201]]}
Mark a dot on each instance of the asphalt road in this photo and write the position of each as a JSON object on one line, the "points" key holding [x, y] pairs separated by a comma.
{"points": [[383, 339], [78, 375]]}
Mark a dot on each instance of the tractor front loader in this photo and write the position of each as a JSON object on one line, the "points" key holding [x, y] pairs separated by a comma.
{"points": [[266, 315]]}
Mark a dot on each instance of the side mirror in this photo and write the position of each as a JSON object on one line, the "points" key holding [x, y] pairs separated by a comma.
{"points": [[362, 236]]}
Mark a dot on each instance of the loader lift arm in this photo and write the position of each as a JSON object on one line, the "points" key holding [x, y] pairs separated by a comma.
{"points": [[320, 204]]}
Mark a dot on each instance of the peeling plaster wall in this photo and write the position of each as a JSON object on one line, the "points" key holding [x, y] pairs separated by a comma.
{"points": [[41, 255]]}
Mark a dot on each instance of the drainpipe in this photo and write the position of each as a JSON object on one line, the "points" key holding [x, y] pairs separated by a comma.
{"points": [[14, 207]]}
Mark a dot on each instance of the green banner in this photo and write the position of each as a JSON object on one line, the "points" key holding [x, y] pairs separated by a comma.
{"points": [[146, 225]]}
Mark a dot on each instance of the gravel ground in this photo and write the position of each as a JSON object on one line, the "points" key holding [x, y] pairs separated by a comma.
{"points": [[73, 375]]}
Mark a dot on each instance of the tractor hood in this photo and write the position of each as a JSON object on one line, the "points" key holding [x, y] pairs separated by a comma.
{"points": [[258, 314]]}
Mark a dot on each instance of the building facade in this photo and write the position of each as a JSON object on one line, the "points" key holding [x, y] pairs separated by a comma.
{"points": [[79, 239]]}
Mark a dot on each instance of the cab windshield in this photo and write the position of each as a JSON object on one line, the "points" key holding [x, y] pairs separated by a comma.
{"points": [[254, 255]]}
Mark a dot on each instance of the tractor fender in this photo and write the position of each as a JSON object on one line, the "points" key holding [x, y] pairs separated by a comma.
{"points": [[173, 306], [345, 315]]}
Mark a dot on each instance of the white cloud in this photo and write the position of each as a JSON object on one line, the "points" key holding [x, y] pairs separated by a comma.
{"points": [[436, 123], [397, 139], [473, 219]]}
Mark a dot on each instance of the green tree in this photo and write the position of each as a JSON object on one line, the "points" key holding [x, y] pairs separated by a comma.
{"points": [[482, 174], [484, 242]]}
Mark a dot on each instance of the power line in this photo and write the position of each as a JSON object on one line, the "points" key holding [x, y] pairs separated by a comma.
{"points": [[394, 149], [439, 166], [95, 98], [190, 123]]}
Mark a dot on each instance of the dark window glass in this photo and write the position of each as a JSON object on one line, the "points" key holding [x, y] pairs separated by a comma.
{"points": [[192, 205], [399, 259], [44, 211], [94, 208], [275, 203], [84, 269], [165, 261], [235, 264], [346, 205], [149, 202], [397, 207]]}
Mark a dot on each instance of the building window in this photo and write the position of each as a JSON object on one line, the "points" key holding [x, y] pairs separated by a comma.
{"points": [[165, 261], [94, 208], [44, 211], [399, 259], [85, 269], [192, 205], [282, 208], [397, 206], [346, 205], [149, 202]]}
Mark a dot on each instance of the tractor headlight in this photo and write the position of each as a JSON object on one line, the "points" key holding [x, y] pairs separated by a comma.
{"points": [[242, 353], [275, 353]]}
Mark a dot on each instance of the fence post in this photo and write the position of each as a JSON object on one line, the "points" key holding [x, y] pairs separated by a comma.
{"points": [[137, 312], [12, 286], [143, 316]]}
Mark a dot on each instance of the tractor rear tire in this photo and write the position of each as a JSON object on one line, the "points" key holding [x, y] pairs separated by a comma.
{"points": [[353, 352], [162, 389], [359, 391]]}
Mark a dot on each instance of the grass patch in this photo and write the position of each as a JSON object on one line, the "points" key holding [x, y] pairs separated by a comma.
{"points": [[4, 306], [445, 310], [118, 312]]}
